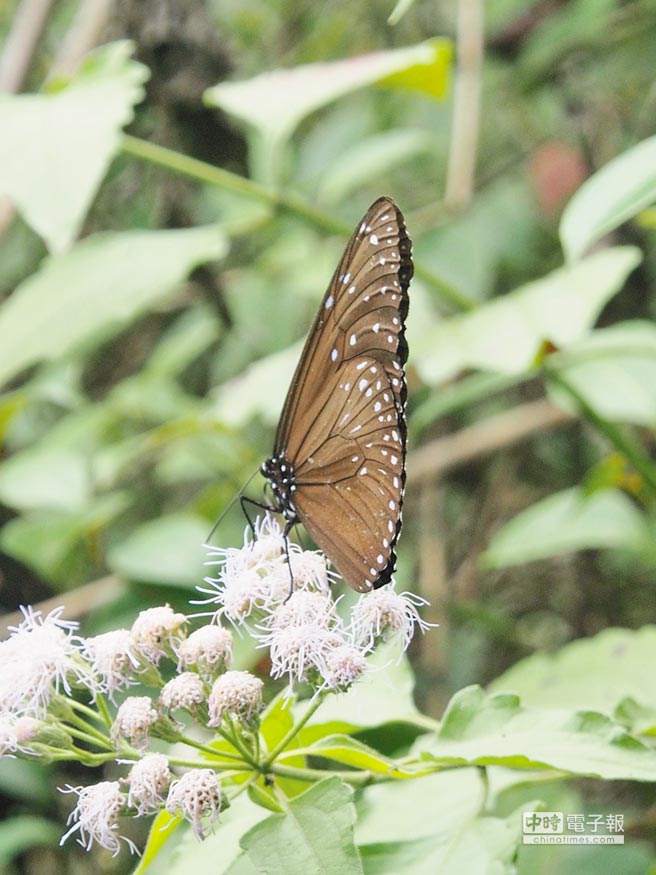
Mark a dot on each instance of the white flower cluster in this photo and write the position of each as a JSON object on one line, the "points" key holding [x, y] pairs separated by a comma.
{"points": [[45, 662], [280, 594]]}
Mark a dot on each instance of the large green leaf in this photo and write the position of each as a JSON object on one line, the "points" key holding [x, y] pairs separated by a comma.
{"points": [[498, 730], [614, 370], [313, 837], [166, 550], [435, 805], [94, 290], [274, 103], [617, 192], [433, 824], [260, 389], [592, 673], [214, 855], [506, 334], [566, 521], [62, 546], [482, 846], [55, 148]]}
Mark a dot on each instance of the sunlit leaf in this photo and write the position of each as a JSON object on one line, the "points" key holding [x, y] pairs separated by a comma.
{"points": [[506, 334], [56, 147], [91, 292], [313, 837], [566, 521], [371, 158], [166, 550], [614, 370], [351, 752], [592, 673], [616, 193], [499, 730], [274, 103], [61, 546]]}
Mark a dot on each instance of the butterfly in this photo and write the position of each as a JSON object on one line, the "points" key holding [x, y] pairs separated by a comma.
{"points": [[338, 461]]}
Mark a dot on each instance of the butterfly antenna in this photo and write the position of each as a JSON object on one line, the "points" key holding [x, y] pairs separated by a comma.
{"points": [[237, 495]]}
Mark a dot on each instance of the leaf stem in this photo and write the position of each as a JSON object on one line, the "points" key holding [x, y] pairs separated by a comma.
{"points": [[282, 744], [201, 171]]}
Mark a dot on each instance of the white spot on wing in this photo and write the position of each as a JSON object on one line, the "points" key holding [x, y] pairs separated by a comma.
{"points": [[334, 354], [373, 240], [330, 300], [352, 339]]}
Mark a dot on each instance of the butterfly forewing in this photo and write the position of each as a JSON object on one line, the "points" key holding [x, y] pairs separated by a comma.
{"points": [[343, 429]]}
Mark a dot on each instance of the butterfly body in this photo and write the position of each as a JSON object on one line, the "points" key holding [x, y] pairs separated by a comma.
{"points": [[338, 464]]}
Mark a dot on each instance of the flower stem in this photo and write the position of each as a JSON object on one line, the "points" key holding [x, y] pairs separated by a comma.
{"points": [[309, 711], [211, 751], [359, 779]]}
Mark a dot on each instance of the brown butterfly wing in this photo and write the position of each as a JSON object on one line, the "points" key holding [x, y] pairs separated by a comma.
{"points": [[343, 424]]}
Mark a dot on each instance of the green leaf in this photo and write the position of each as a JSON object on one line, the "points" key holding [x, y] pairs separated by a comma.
{"points": [[91, 292], [55, 148], [23, 833], [433, 824], [593, 673], [484, 845], [498, 730], [617, 192], [351, 752], [313, 837], [35, 479], [161, 831], [168, 550], [434, 805], [370, 159], [259, 390], [275, 103], [506, 334], [569, 520], [61, 546], [614, 370], [265, 797], [218, 853]]}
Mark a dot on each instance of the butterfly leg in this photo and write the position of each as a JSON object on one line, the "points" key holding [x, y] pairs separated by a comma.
{"points": [[285, 537], [243, 501]]}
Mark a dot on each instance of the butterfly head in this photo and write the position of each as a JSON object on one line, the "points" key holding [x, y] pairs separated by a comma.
{"points": [[279, 471]]}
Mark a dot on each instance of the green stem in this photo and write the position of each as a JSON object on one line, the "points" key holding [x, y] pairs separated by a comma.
{"points": [[291, 203], [231, 734], [359, 779], [312, 707], [90, 737], [103, 708], [619, 438], [211, 751], [87, 711]]}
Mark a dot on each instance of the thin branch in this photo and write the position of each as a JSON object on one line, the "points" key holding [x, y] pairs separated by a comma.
{"points": [[77, 602], [22, 41], [84, 34], [466, 104]]}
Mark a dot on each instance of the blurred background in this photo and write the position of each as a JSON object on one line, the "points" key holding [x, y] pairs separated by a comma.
{"points": [[143, 375]]}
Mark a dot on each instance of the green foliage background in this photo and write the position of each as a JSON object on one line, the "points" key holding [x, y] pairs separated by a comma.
{"points": [[177, 217]]}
